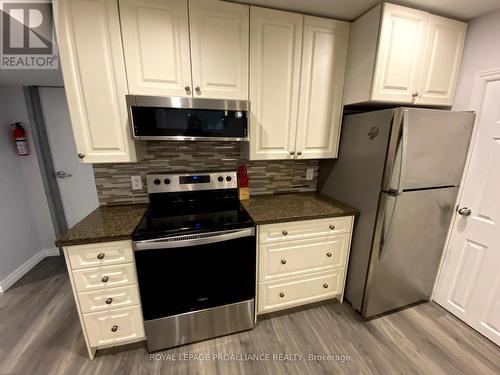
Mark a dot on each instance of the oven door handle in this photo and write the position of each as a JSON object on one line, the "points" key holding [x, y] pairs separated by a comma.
{"points": [[192, 240]]}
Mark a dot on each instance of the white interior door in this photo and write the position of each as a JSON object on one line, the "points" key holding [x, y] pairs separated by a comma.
{"points": [[75, 180], [469, 283]]}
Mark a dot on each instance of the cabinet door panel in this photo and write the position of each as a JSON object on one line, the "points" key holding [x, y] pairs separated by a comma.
{"points": [[94, 77], [275, 49], [156, 46], [219, 49], [441, 65], [399, 58], [324, 55]]}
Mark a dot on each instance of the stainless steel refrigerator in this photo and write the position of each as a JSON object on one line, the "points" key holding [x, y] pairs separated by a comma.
{"points": [[402, 168]]}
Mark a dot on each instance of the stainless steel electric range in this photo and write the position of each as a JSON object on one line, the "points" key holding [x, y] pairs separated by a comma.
{"points": [[195, 252]]}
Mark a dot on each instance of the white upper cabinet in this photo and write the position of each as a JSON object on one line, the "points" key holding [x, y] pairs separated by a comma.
{"points": [[219, 49], [170, 53], [90, 48], [275, 51], [400, 52], [441, 63], [402, 55], [324, 57], [156, 46]]}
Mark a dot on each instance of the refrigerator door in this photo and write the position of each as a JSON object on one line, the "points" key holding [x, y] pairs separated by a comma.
{"points": [[409, 238], [431, 148]]}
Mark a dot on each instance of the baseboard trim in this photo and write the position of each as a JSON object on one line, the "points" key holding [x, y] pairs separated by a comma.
{"points": [[22, 270]]}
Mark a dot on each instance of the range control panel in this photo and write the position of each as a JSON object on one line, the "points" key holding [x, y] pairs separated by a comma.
{"points": [[171, 183]]}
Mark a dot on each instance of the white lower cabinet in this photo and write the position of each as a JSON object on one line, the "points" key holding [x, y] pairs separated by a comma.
{"points": [[106, 296], [115, 326], [302, 262], [277, 295]]}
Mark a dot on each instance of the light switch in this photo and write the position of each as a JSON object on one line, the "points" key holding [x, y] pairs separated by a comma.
{"points": [[309, 174], [136, 182]]}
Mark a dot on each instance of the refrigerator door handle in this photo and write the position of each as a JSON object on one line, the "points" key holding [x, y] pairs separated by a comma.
{"points": [[404, 151], [387, 223]]}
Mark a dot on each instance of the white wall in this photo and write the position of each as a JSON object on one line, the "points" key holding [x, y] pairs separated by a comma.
{"points": [[481, 53], [25, 224]]}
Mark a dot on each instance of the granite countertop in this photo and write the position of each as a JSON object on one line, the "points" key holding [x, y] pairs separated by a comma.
{"points": [[105, 223], [268, 209], [114, 223]]}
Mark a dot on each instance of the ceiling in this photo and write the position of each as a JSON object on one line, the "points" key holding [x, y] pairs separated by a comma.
{"points": [[352, 9]]}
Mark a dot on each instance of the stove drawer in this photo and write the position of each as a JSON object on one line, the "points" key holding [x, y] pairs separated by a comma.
{"points": [[104, 277], [114, 327], [100, 254], [110, 298], [277, 295], [292, 258], [297, 230]]}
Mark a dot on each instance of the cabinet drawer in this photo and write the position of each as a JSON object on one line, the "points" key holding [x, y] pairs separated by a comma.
{"points": [[115, 326], [295, 291], [100, 254], [109, 298], [292, 258], [104, 277], [304, 229]]}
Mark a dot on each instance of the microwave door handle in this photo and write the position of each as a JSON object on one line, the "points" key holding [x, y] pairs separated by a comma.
{"points": [[193, 240]]}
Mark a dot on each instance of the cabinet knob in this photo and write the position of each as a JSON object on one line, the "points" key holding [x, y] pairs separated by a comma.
{"points": [[100, 256], [414, 95], [198, 90], [292, 152], [332, 227], [109, 301], [282, 294], [283, 261], [329, 255], [114, 328], [325, 286], [188, 89], [299, 153], [80, 155], [284, 233], [105, 279]]}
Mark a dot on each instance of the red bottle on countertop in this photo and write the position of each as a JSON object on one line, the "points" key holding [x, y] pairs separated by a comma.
{"points": [[243, 190]]}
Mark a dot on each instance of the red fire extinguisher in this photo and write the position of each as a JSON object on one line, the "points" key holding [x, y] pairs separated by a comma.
{"points": [[20, 140]]}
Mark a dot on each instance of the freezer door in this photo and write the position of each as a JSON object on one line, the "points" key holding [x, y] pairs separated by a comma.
{"points": [[409, 238], [431, 149]]}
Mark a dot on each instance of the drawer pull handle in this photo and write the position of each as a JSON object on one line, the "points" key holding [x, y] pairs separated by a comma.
{"points": [[325, 286], [283, 261], [329, 255], [282, 294], [114, 328], [332, 227], [109, 301], [105, 279], [100, 256], [284, 233]]}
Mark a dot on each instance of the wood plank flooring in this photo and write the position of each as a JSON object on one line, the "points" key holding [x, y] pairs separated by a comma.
{"points": [[40, 334]]}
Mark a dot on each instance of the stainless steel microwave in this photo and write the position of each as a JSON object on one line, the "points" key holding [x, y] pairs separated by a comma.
{"points": [[187, 119]]}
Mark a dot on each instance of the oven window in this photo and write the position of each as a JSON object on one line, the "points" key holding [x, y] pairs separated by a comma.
{"points": [[153, 121], [178, 280]]}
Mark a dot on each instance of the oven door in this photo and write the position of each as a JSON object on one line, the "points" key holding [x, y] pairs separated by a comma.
{"points": [[201, 273]]}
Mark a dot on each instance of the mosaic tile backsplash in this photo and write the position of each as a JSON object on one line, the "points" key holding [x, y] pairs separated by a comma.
{"points": [[266, 177]]}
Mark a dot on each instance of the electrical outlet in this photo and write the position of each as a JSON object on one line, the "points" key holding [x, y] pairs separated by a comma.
{"points": [[136, 182], [309, 174]]}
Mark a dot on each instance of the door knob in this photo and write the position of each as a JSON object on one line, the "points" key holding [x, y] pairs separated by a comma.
{"points": [[188, 89], [299, 153], [80, 155], [414, 95], [292, 152], [62, 174], [465, 211], [198, 90]]}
